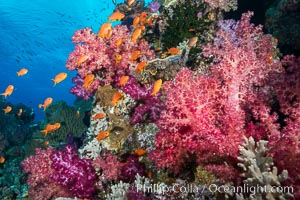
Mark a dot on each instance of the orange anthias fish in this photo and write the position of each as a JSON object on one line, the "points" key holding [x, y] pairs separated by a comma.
{"points": [[156, 87], [82, 59], [2, 160], [20, 112], [8, 91], [47, 103], [59, 78], [102, 135], [139, 152], [22, 72], [193, 41], [7, 109], [136, 34], [99, 116], [123, 80], [173, 51], [118, 58], [105, 31], [50, 128], [119, 42], [140, 67], [116, 16], [130, 2], [88, 80], [136, 21], [116, 98], [135, 55]]}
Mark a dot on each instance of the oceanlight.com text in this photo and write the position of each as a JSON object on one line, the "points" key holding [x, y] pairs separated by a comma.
{"points": [[213, 188]]}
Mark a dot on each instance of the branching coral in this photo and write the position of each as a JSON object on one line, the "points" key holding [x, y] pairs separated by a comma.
{"points": [[260, 172]]}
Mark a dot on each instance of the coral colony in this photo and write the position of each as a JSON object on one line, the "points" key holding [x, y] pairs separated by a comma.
{"points": [[214, 116]]}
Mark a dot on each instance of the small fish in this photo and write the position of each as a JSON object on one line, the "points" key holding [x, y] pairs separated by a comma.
{"points": [[116, 16], [82, 59], [136, 34], [2, 160], [156, 87], [173, 51], [193, 41], [118, 58], [99, 116], [46, 143], [139, 152], [22, 72], [140, 67], [114, 2], [59, 78], [105, 31], [135, 55], [88, 80], [136, 21], [8, 91], [50, 128], [78, 113], [116, 98], [149, 175], [20, 112], [130, 2], [7, 109], [119, 42], [46, 103], [102, 135], [123, 80]]}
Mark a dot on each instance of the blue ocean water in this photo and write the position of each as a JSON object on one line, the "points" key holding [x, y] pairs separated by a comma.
{"points": [[37, 35]]}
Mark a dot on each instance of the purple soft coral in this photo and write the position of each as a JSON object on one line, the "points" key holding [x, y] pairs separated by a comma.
{"points": [[131, 168], [154, 6], [150, 104], [75, 173]]}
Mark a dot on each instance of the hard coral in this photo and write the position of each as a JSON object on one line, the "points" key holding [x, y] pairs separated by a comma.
{"points": [[72, 172]]}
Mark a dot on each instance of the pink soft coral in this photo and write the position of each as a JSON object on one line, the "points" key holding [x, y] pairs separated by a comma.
{"points": [[101, 54], [207, 115], [41, 186], [110, 166], [192, 126], [285, 145]]}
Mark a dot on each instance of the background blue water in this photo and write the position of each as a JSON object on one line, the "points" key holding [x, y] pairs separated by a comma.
{"points": [[37, 35]]}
